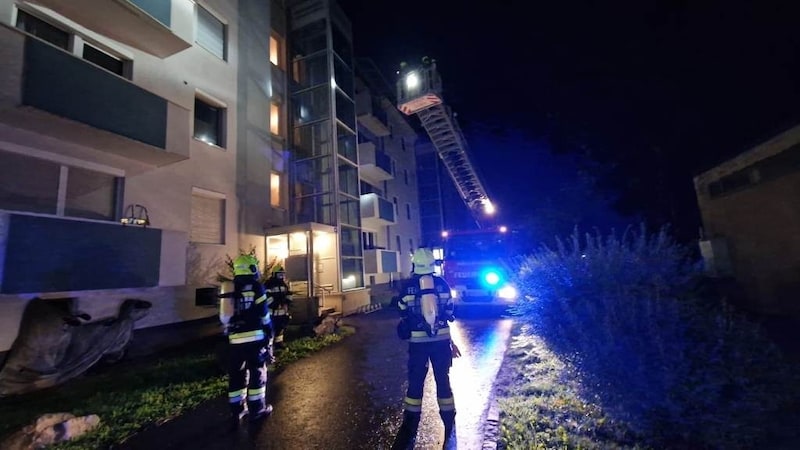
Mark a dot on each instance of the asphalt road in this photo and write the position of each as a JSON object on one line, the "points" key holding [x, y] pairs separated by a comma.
{"points": [[349, 396]]}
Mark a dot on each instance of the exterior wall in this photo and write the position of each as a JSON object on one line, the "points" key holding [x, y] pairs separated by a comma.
{"points": [[400, 146], [751, 204], [401, 189], [237, 171]]}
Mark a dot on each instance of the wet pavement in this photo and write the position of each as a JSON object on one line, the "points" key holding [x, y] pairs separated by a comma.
{"points": [[349, 396]]}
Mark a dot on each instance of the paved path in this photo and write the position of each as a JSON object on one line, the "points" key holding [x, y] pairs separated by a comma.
{"points": [[349, 396]]}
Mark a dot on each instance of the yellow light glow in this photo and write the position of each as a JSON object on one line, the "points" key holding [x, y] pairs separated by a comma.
{"points": [[275, 119], [275, 189]]}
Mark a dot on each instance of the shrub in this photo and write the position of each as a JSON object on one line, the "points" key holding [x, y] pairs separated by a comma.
{"points": [[624, 311]]}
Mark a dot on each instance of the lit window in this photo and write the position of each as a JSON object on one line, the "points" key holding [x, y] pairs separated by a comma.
{"points": [[208, 123], [275, 119], [275, 189], [275, 51]]}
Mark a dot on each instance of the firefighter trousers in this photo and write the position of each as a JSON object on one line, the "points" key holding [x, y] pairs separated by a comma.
{"points": [[247, 377], [441, 358], [280, 321]]}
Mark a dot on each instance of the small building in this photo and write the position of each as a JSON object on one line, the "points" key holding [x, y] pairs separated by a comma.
{"points": [[750, 207]]}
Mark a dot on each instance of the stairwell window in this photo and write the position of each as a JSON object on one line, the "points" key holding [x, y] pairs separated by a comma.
{"points": [[212, 33], [275, 119], [276, 51], [275, 190]]}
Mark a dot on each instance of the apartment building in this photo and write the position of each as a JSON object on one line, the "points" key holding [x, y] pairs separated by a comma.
{"points": [[389, 195], [169, 114], [142, 142]]}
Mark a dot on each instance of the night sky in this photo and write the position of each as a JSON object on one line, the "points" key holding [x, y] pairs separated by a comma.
{"points": [[653, 92]]}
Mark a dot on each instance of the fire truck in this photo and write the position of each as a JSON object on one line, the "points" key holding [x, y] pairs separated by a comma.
{"points": [[476, 266]]}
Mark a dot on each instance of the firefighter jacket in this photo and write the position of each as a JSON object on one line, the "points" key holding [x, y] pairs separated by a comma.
{"points": [[411, 309], [251, 319], [281, 297]]}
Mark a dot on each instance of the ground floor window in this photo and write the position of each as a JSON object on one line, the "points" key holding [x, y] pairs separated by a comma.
{"points": [[48, 187]]}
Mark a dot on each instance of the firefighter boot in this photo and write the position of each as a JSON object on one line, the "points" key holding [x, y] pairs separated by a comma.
{"points": [[449, 419], [407, 436]]}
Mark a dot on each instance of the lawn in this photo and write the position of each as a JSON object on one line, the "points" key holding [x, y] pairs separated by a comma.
{"points": [[133, 395], [540, 408]]}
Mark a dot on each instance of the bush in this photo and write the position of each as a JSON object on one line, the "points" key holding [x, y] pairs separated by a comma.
{"points": [[625, 312]]}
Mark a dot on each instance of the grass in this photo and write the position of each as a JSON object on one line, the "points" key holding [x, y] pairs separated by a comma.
{"points": [[540, 408], [134, 395]]}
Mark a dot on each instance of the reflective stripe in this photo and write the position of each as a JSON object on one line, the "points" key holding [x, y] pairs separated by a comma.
{"points": [[412, 404], [280, 312], [255, 394], [422, 336], [245, 337], [261, 299], [446, 404], [413, 408], [236, 396]]}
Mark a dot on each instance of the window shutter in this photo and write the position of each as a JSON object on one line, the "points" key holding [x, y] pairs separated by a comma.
{"points": [[208, 220], [210, 33]]}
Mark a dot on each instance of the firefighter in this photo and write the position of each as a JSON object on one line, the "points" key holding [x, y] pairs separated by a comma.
{"points": [[245, 314], [426, 308], [281, 300]]}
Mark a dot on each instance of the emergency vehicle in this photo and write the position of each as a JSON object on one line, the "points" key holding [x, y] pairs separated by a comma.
{"points": [[475, 265]]}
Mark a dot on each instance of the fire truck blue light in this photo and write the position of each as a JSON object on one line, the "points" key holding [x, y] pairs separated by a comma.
{"points": [[492, 278]]}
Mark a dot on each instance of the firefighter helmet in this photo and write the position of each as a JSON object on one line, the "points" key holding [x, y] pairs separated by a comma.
{"points": [[423, 260], [278, 270], [245, 265]]}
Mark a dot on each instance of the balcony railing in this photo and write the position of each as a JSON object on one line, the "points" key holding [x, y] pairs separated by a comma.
{"points": [[374, 165], [158, 27], [55, 93], [381, 261], [376, 211]]}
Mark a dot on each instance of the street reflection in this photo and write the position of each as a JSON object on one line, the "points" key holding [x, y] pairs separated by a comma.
{"points": [[482, 344]]}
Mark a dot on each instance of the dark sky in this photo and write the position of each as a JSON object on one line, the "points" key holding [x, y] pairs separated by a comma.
{"points": [[698, 80]]}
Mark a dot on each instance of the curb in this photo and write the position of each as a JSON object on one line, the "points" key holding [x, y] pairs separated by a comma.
{"points": [[491, 428]]}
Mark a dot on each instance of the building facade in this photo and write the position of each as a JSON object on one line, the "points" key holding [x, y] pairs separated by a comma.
{"points": [[389, 194], [142, 143], [750, 207]]}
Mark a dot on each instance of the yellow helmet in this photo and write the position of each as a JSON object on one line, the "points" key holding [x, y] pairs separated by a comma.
{"points": [[245, 265], [424, 261]]}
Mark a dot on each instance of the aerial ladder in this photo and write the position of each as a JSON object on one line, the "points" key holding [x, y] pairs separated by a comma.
{"points": [[419, 91]]}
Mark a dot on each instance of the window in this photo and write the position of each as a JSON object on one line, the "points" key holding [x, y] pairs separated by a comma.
{"points": [[275, 190], [275, 119], [399, 246], [42, 30], [208, 217], [408, 211], [56, 188], [403, 144], [211, 33], [104, 60], [405, 175], [208, 122], [410, 244], [276, 51]]}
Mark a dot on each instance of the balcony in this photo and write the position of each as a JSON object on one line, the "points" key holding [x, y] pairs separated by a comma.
{"points": [[161, 28], [87, 255], [374, 165], [381, 261], [50, 93], [376, 211], [371, 115]]}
